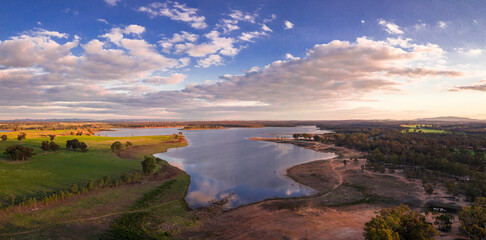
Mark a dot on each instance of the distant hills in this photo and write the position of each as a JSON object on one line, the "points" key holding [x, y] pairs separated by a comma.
{"points": [[449, 119]]}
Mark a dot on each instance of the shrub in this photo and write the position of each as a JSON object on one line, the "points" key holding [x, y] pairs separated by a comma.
{"points": [[54, 147], [73, 189], [399, 223], [75, 144], [45, 146], [473, 219], [19, 152], [116, 146], [148, 165]]}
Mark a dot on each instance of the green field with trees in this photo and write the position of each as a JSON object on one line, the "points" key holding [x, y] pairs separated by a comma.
{"points": [[49, 170]]}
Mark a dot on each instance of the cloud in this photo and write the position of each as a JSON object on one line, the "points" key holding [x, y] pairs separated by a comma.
{"points": [[480, 86], [248, 36], [210, 61], [288, 25], [177, 12], [112, 2], [116, 34], [266, 28], [102, 20], [242, 16], [105, 75], [272, 17], [442, 24], [390, 27], [291, 57], [172, 79], [181, 37], [363, 21], [470, 52], [420, 26], [216, 44], [338, 71]]}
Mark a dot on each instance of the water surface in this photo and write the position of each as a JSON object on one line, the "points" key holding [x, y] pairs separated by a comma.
{"points": [[224, 161]]}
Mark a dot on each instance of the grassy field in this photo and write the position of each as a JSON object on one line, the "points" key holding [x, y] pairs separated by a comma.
{"points": [[423, 128], [57, 171], [156, 200], [159, 199]]}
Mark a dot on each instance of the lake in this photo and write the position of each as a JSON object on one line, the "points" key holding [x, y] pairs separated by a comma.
{"points": [[225, 161]]}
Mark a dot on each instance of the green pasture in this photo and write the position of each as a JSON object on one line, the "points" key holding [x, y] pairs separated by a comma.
{"points": [[48, 172]]}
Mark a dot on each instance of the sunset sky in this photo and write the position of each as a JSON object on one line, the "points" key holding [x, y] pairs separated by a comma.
{"points": [[242, 60]]}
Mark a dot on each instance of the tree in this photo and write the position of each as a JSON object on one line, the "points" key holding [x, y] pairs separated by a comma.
{"points": [[45, 146], [399, 223], [443, 221], [83, 147], [19, 152], [128, 144], [148, 165], [54, 147], [75, 144], [473, 219], [52, 137], [73, 189], [4, 138], [429, 189], [21, 136], [116, 146]]}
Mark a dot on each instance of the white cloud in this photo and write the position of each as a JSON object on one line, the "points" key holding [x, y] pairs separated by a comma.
{"points": [[210, 61], [116, 34], [442, 24], [289, 56], [338, 71], [288, 25], [217, 44], [470, 52], [177, 12], [112, 2], [420, 26], [181, 37], [390, 27], [102, 20], [172, 79], [242, 16], [272, 17], [266, 28], [248, 36], [363, 21], [228, 25]]}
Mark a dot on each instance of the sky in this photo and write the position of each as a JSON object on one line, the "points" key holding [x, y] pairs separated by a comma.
{"points": [[242, 60]]}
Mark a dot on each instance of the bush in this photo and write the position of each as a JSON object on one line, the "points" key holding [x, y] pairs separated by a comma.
{"points": [[4, 138], [473, 219], [443, 221], [54, 147], [399, 223], [19, 152], [45, 146], [75, 144], [116, 146], [148, 165], [73, 189]]}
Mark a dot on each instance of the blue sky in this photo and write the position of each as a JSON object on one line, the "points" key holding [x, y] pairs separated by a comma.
{"points": [[106, 59]]}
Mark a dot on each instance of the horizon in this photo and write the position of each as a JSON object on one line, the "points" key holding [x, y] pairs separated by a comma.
{"points": [[218, 60]]}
